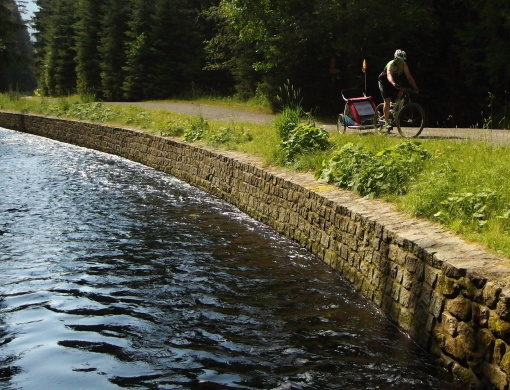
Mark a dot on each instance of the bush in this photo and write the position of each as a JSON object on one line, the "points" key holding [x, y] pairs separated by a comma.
{"points": [[303, 138], [389, 171]]}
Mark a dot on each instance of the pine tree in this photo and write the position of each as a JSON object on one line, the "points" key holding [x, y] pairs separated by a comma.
{"points": [[138, 51], [16, 68], [87, 30], [111, 48], [58, 73]]}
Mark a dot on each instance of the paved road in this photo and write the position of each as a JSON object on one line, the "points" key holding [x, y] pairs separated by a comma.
{"points": [[224, 114]]}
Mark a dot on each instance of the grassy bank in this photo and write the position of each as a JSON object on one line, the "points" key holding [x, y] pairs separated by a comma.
{"points": [[461, 185]]}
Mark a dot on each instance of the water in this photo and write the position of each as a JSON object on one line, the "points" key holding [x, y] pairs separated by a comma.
{"points": [[113, 275]]}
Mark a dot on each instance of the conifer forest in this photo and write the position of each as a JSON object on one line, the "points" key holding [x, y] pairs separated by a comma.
{"points": [[458, 51]]}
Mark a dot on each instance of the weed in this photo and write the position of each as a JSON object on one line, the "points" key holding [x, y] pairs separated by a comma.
{"points": [[372, 174], [169, 128], [304, 138], [287, 121], [289, 96], [226, 135], [474, 208], [197, 129]]}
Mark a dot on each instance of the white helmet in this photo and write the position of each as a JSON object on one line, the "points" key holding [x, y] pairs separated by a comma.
{"points": [[400, 54]]}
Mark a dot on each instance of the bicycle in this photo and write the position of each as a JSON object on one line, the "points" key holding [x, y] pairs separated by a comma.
{"points": [[407, 116]]}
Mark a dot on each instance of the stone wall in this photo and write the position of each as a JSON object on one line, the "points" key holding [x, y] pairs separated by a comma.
{"points": [[450, 296]]}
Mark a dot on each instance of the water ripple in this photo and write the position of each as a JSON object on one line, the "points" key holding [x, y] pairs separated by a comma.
{"points": [[116, 276]]}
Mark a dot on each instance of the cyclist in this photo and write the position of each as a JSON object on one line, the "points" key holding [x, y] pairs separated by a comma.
{"points": [[390, 80]]}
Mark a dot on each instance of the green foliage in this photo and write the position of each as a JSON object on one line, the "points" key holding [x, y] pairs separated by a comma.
{"points": [[111, 48], [287, 121], [289, 96], [87, 32], [96, 112], [389, 171], [58, 52], [197, 129], [473, 208], [171, 127], [229, 135], [304, 138]]}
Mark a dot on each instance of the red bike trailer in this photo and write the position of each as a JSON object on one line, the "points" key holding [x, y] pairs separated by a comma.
{"points": [[359, 110]]}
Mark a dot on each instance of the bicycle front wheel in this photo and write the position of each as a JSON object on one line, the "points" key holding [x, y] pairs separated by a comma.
{"points": [[410, 120]]}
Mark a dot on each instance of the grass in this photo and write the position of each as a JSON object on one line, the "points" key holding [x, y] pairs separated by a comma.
{"points": [[463, 186], [255, 104]]}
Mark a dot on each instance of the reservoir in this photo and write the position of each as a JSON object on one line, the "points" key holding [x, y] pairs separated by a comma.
{"points": [[117, 276]]}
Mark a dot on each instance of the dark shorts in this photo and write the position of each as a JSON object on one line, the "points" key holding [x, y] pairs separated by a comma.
{"points": [[388, 91]]}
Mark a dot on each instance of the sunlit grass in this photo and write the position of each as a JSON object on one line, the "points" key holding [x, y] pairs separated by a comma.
{"points": [[254, 104], [457, 172]]}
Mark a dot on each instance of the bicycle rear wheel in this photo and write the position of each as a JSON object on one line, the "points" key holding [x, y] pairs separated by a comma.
{"points": [[410, 120], [340, 124]]}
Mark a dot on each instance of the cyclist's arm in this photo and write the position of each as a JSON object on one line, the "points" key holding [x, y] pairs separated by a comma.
{"points": [[389, 76], [409, 76]]}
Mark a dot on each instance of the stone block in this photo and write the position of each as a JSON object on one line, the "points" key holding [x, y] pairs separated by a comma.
{"points": [[491, 294], [436, 304], [499, 327], [485, 343], [480, 315], [496, 376], [467, 376], [460, 307], [449, 324], [447, 286], [499, 351], [407, 298], [505, 363], [503, 307], [408, 279], [430, 275]]}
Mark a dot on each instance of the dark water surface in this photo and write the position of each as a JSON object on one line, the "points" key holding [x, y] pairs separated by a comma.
{"points": [[113, 275]]}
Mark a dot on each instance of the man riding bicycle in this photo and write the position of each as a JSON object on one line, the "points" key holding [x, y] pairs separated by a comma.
{"points": [[390, 81]]}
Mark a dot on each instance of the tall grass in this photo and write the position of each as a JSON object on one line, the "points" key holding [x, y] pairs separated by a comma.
{"points": [[463, 185]]}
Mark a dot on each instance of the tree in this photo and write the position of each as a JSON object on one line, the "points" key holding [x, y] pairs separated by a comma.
{"points": [[16, 67], [136, 83], [176, 48], [111, 48], [58, 67], [87, 30]]}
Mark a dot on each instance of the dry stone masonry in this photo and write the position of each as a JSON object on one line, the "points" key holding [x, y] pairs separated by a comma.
{"points": [[450, 296]]}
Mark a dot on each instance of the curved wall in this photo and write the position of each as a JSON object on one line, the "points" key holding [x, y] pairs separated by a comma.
{"points": [[450, 296]]}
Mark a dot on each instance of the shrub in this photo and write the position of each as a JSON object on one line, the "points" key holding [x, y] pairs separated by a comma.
{"points": [[303, 138], [389, 171]]}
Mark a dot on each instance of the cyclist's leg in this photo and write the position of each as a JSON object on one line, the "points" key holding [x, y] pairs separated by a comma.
{"points": [[385, 88]]}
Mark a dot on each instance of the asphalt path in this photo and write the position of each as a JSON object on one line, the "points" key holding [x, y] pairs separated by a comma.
{"points": [[229, 115]]}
